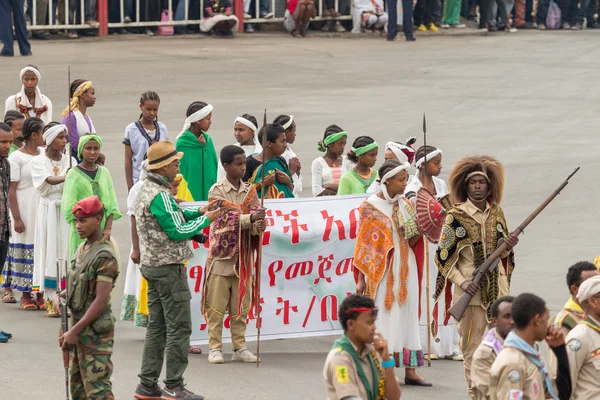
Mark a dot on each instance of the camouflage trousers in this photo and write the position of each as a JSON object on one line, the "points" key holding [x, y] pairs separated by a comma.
{"points": [[90, 368]]}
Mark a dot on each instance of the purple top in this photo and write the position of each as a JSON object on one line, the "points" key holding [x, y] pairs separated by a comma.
{"points": [[73, 130]]}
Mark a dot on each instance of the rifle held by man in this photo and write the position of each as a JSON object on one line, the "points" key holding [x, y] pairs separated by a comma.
{"points": [[460, 306]]}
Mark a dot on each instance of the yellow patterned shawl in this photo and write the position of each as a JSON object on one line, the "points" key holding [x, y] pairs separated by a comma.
{"points": [[460, 230]]}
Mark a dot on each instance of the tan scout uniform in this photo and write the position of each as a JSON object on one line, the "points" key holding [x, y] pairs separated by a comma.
{"points": [[514, 377], [484, 357], [341, 378], [565, 320], [473, 323], [583, 350], [222, 284]]}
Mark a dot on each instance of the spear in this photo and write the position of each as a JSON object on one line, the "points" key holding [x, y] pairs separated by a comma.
{"points": [[427, 255], [70, 118], [260, 244]]}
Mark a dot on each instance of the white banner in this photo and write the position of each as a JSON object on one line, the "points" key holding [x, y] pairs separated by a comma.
{"points": [[306, 270]]}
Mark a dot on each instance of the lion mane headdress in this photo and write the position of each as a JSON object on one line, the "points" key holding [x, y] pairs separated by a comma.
{"points": [[483, 165]]}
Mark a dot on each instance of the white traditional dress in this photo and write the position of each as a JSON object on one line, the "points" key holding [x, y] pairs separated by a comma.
{"points": [[397, 293], [52, 230], [18, 269], [446, 342]]}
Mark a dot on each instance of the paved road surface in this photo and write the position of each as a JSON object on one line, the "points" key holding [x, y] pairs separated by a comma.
{"points": [[530, 99]]}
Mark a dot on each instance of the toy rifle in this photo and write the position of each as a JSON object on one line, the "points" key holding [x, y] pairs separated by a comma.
{"points": [[64, 322], [260, 245], [458, 308]]}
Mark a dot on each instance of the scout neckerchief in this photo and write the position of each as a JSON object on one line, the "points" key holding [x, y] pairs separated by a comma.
{"points": [[591, 323], [374, 392], [514, 340], [146, 135]]}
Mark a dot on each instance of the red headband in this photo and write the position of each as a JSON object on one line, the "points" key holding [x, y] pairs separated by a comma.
{"points": [[361, 310]]}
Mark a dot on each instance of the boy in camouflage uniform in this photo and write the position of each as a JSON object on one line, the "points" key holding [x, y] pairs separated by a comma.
{"points": [[91, 278]]}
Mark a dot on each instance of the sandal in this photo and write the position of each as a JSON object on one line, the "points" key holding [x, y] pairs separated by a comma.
{"points": [[195, 350], [9, 298], [50, 312], [29, 306]]}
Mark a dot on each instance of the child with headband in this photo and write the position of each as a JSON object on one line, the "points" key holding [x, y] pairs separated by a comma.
{"points": [[245, 129], [30, 101], [327, 170], [361, 177]]}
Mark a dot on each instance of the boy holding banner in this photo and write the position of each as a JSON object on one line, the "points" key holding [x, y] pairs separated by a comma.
{"points": [[234, 239]]}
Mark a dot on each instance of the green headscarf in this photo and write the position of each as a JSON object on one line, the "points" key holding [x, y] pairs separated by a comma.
{"points": [[362, 150], [84, 139], [322, 146]]}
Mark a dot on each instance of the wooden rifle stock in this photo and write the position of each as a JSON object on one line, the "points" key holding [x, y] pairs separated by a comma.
{"points": [[460, 306]]}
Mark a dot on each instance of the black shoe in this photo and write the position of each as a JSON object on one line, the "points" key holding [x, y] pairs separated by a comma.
{"points": [[6, 55], [526, 25], [27, 55], [148, 393], [592, 25], [179, 392], [228, 34], [492, 28], [411, 39]]}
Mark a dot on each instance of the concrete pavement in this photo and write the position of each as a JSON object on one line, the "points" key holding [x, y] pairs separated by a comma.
{"points": [[530, 99]]}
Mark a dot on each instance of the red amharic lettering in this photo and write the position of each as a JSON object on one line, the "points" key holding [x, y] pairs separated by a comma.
{"points": [[303, 268], [274, 268], [329, 226], [324, 266], [285, 310], [344, 266], [251, 313], [294, 226], [354, 215], [330, 312], [196, 273]]}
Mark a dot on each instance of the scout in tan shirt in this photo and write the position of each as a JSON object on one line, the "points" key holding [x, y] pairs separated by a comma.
{"points": [[359, 366], [572, 313], [471, 232], [234, 239], [583, 344], [492, 344], [519, 372]]}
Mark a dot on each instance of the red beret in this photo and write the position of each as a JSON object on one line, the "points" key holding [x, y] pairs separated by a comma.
{"points": [[87, 207]]}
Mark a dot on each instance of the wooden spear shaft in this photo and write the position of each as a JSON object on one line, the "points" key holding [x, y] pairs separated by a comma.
{"points": [[260, 245]]}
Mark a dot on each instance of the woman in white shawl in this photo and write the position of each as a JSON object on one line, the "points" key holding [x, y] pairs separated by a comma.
{"points": [[48, 172], [403, 153], [244, 130], [368, 14], [445, 344], [30, 101]]}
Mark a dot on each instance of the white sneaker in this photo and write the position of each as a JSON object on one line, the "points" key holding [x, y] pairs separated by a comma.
{"points": [[215, 357], [244, 355], [458, 26], [445, 26], [513, 30], [339, 27]]}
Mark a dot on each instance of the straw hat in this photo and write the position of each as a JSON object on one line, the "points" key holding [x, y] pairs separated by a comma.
{"points": [[162, 153]]}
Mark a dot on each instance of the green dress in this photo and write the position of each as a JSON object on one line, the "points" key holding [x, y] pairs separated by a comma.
{"points": [[80, 185], [198, 165], [276, 190], [352, 183], [13, 147]]}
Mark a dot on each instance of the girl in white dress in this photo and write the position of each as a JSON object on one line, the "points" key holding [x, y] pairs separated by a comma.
{"points": [[327, 170], [387, 267], [30, 101], [244, 130], [23, 200], [48, 172], [445, 343]]}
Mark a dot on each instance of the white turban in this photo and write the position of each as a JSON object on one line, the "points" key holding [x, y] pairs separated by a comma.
{"points": [[246, 122], [195, 117], [429, 157], [390, 174], [30, 69], [589, 288], [53, 132], [397, 149]]}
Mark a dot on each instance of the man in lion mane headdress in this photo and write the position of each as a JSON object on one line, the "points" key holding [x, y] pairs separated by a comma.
{"points": [[472, 231]]}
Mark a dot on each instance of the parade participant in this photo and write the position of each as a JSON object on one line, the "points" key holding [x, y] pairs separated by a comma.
{"points": [[91, 279], [388, 267], [199, 162], [278, 179], [88, 179], [5, 227], [15, 120], [485, 355], [75, 117], [445, 343], [230, 264], [244, 130], [583, 343], [518, 371], [18, 269], [48, 172], [163, 232], [359, 365], [358, 179], [399, 152], [141, 134], [327, 170], [471, 232], [573, 313], [294, 164], [30, 101]]}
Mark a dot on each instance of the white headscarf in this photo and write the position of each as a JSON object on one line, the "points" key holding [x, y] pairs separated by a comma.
{"points": [[429, 157], [39, 99], [195, 117], [246, 122], [390, 174], [397, 148], [53, 132]]}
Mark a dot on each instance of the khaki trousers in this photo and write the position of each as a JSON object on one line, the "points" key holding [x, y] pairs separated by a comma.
{"points": [[471, 329], [222, 298]]}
